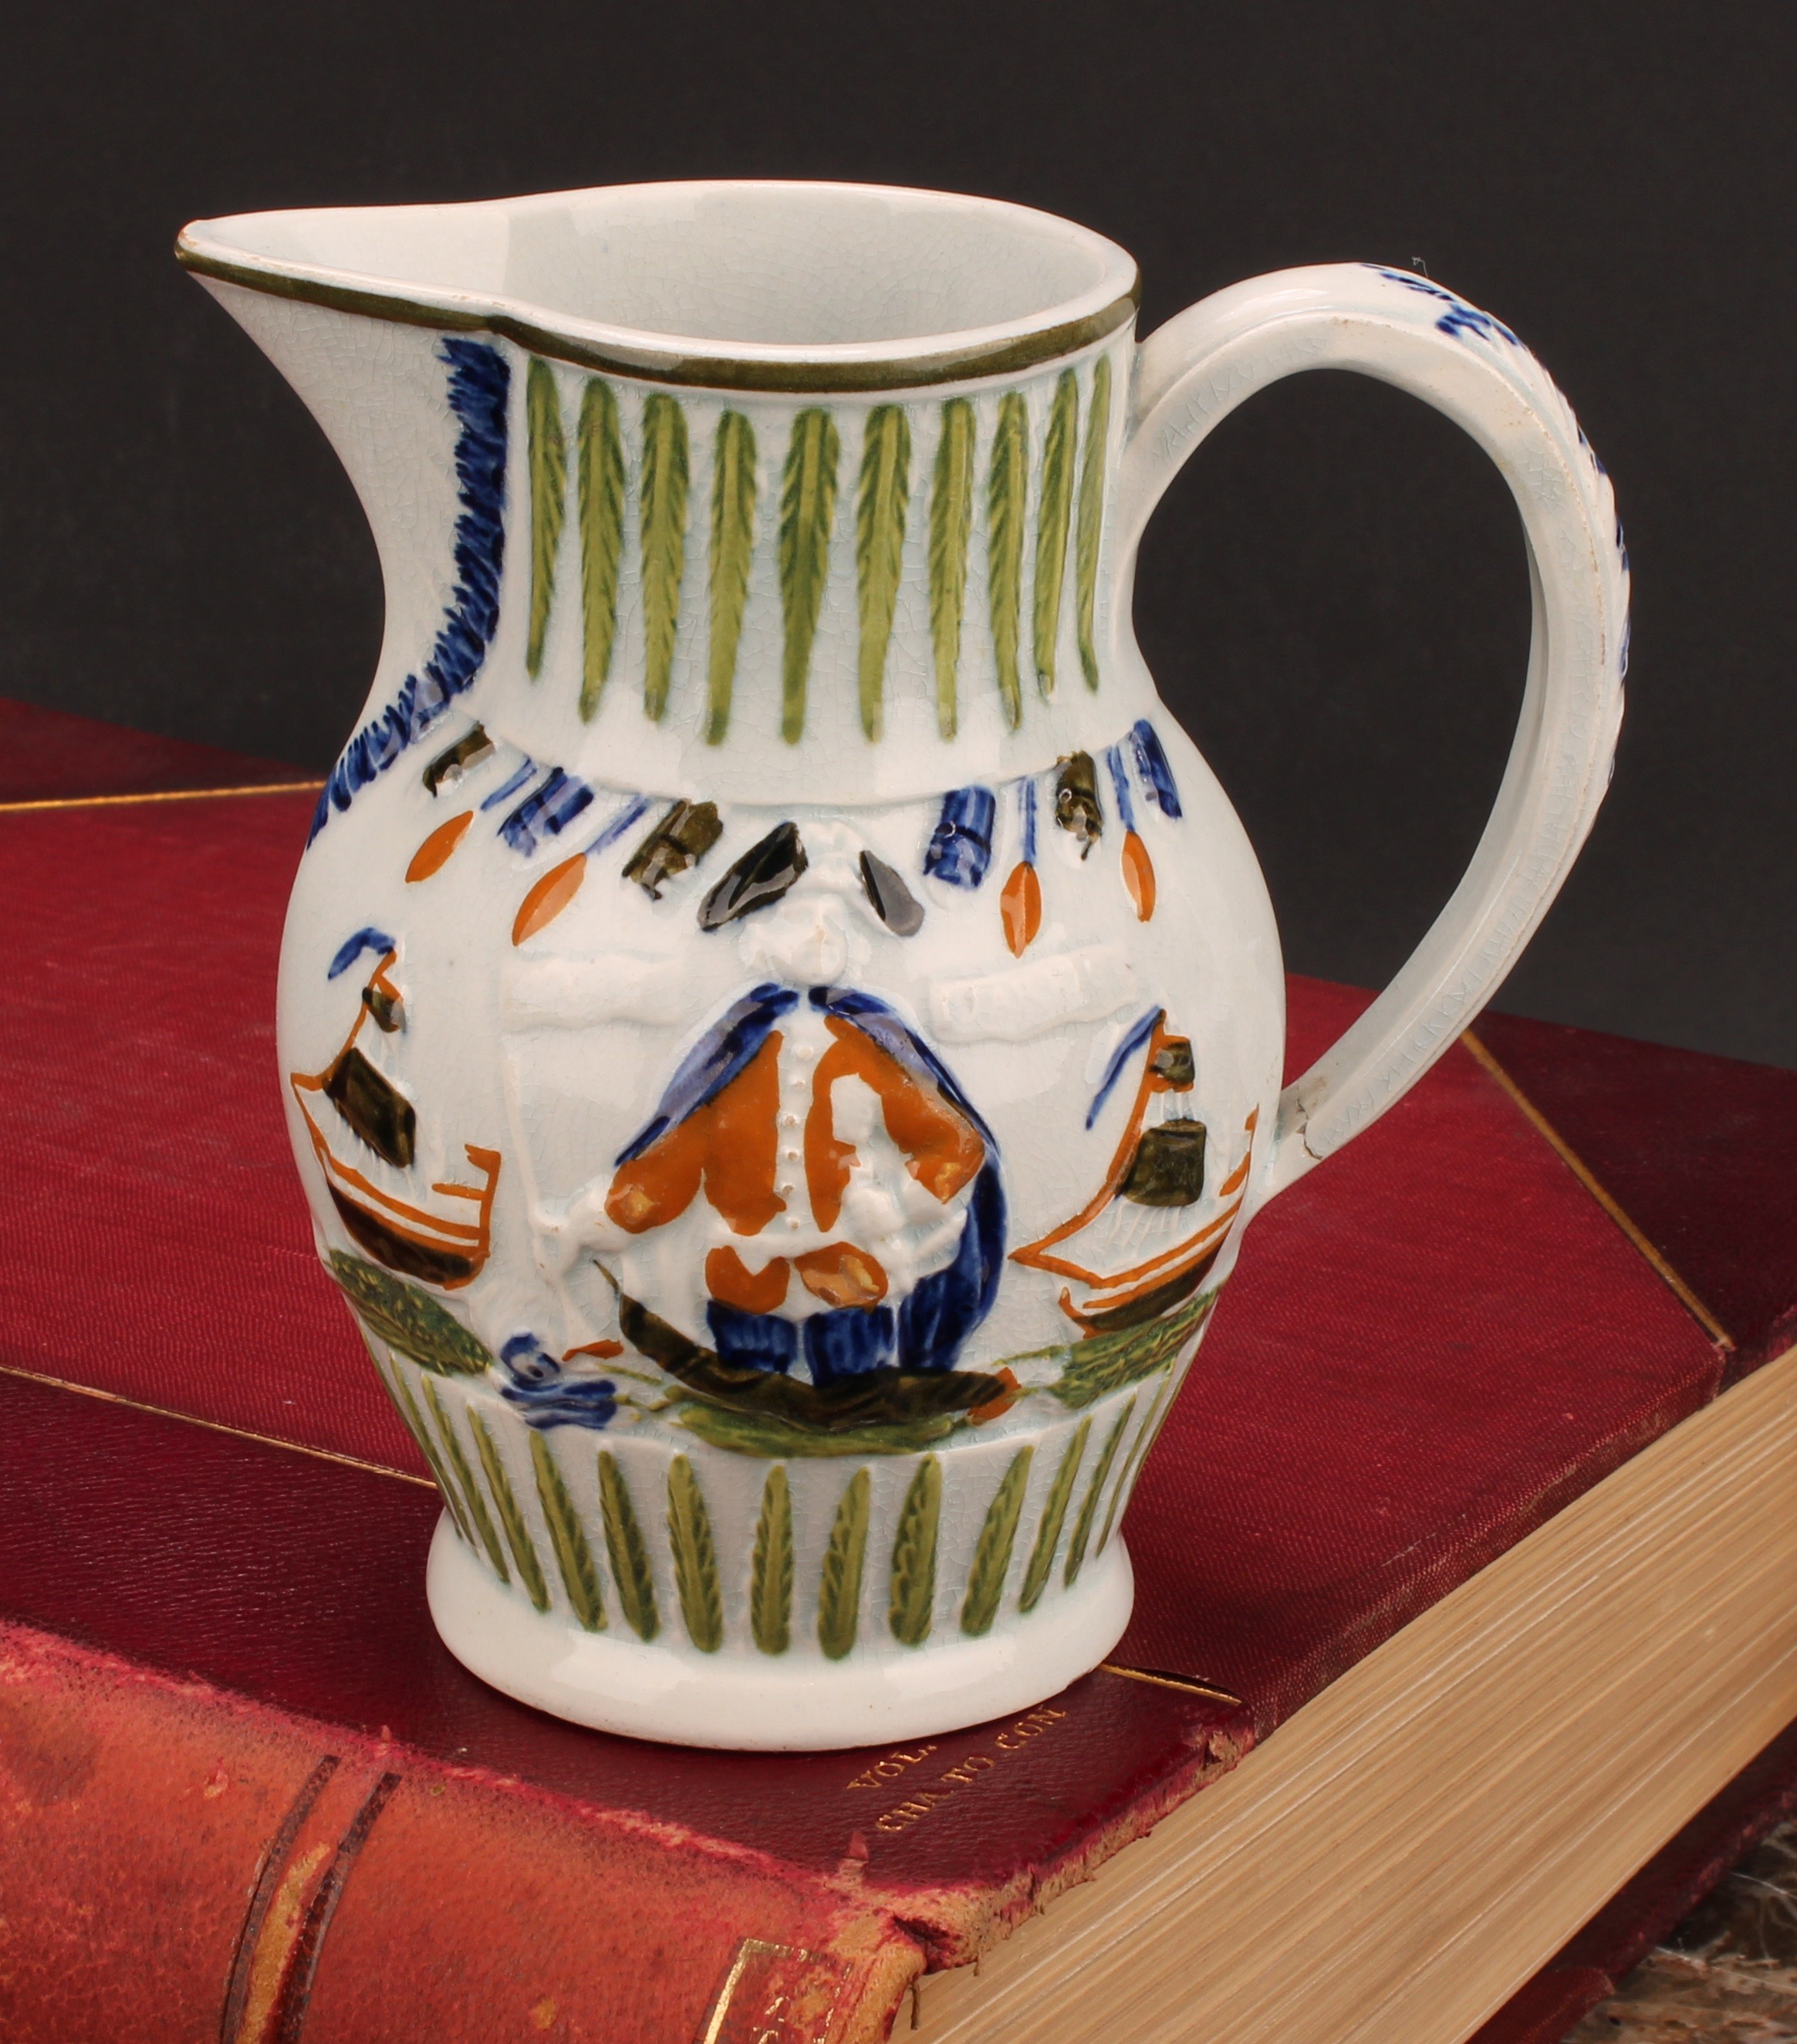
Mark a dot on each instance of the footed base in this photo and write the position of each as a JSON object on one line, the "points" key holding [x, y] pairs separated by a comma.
{"points": [[671, 1693]]}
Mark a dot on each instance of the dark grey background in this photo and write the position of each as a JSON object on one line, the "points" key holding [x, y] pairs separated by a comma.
{"points": [[1333, 595]]}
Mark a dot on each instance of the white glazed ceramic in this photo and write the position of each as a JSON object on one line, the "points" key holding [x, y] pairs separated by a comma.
{"points": [[782, 1031]]}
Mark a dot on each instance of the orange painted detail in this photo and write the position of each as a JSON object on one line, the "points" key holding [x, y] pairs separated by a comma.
{"points": [[732, 1283], [841, 1275], [434, 852], [604, 1351], [1138, 876], [995, 1408], [1020, 905], [943, 1149], [730, 1145], [550, 896]]}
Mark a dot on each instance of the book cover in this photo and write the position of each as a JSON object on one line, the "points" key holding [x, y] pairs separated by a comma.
{"points": [[1428, 1348]]}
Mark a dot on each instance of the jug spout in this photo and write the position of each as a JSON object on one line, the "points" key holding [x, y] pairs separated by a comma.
{"points": [[756, 492]]}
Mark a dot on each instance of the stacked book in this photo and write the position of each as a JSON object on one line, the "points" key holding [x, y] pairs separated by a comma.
{"points": [[1464, 1649]]}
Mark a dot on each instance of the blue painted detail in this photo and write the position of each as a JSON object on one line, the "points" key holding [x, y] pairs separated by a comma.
{"points": [[480, 380], [1460, 318], [961, 845], [724, 1049], [546, 1395], [512, 784], [849, 1342], [945, 1308], [943, 1311], [637, 806], [1138, 1034], [752, 1341], [1151, 763], [1119, 780], [352, 948], [1027, 805], [548, 809]]}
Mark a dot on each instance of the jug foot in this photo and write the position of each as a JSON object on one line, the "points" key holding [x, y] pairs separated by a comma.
{"points": [[670, 1692]]}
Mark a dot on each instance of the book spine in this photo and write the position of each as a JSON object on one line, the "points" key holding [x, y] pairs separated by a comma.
{"points": [[179, 1862]]}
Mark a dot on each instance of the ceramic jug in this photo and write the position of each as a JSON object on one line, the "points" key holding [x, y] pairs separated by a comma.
{"points": [[780, 1031]]}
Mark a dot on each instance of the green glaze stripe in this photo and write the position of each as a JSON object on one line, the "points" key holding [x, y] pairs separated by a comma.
{"points": [[624, 1544], [546, 456], [600, 470], [879, 549], [517, 1533], [770, 1583], [838, 1600], [1007, 483], [1053, 1515], [1137, 1455], [991, 1557], [807, 510], [661, 511], [733, 538], [394, 1380], [1088, 1511], [471, 1497], [580, 1577], [1089, 528], [914, 1556], [695, 1557], [1053, 512], [951, 517]]}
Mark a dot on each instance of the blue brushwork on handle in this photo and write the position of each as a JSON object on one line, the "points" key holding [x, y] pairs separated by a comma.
{"points": [[367, 939], [548, 809], [480, 380], [1459, 319], [961, 845]]}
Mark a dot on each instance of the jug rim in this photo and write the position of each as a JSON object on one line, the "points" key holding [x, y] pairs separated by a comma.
{"points": [[299, 253]]}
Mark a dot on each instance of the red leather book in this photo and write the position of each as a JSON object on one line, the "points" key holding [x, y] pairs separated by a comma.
{"points": [[251, 1797]]}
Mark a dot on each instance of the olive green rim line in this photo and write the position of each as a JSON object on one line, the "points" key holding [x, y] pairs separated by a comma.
{"points": [[950, 365]]}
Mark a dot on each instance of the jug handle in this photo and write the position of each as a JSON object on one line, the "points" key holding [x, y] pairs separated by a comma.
{"points": [[1408, 331]]}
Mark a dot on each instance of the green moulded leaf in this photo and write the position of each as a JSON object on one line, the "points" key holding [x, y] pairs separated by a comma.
{"points": [[663, 511], [879, 548], [733, 540], [770, 1585], [1053, 1516], [1138, 1454], [1053, 512], [474, 1502], [600, 486], [1089, 528], [580, 1575], [951, 517], [394, 1380], [1098, 1364], [807, 511], [839, 1599], [914, 1556], [546, 456], [992, 1557], [1088, 1511], [624, 1544], [517, 1533], [695, 1557], [409, 1319], [1007, 485]]}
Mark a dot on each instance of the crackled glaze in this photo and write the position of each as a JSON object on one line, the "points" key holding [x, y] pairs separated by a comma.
{"points": [[782, 1032]]}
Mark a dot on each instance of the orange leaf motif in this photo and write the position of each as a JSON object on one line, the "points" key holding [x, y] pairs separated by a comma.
{"points": [[435, 851], [1020, 905], [550, 896], [1138, 876]]}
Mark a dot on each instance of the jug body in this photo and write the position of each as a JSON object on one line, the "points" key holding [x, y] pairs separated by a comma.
{"points": [[780, 1031]]}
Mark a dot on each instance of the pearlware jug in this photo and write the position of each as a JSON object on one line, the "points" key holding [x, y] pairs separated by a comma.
{"points": [[780, 1031]]}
